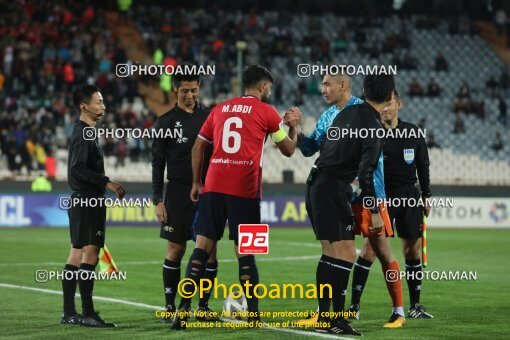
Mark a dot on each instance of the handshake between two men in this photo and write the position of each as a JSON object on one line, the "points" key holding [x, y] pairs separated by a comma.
{"points": [[292, 117]]}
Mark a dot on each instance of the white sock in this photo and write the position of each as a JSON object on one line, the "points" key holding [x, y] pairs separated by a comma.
{"points": [[399, 310]]}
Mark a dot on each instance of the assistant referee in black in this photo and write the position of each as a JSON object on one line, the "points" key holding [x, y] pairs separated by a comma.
{"points": [[405, 157], [175, 210], [86, 177]]}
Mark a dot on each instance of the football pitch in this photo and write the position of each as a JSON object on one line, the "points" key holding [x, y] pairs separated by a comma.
{"points": [[462, 309]]}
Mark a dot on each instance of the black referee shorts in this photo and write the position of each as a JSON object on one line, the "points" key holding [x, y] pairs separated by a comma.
{"points": [[328, 203], [407, 220], [86, 224], [215, 209], [180, 210]]}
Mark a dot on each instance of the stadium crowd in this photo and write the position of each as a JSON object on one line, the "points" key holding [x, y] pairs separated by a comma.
{"points": [[47, 48]]}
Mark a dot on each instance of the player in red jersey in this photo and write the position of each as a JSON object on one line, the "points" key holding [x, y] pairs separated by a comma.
{"points": [[238, 129]]}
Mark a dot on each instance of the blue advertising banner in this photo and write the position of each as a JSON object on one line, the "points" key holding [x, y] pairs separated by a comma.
{"points": [[44, 210], [25, 210]]}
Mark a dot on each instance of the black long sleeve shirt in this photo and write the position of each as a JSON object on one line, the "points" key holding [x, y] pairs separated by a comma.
{"points": [[85, 166], [175, 152], [400, 169], [350, 156]]}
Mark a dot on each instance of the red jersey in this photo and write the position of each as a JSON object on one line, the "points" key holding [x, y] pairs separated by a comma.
{"points": [[238, 129]]}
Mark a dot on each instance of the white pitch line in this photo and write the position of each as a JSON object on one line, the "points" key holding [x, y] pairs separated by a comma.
{"points": [[143, 305], [259, 259], [134, 263], [15, 264]]}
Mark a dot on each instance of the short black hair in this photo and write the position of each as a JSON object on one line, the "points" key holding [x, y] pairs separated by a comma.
{"points": [[178, 78], [254, 74], [83, 94], [378, 88]]}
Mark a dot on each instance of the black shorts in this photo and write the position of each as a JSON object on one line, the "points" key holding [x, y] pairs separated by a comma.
{"points": [[407, 220], [86, 224], [328, 203], [215, 209], [180, 210]]}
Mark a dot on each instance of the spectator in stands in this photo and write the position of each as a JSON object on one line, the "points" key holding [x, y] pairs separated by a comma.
{"points": [[324, 46], [313, 87], [492, 85], [123, 6], [500, 20], [497, 143], [409, 62], [441, 63], [504, 83], [51, 165], [2, 81], [415, 89], [464, 91], [431, 142], [121, 153], [278, 91], [433, 89], [422, 123], [298, 97], [458, 126], [502, 111], [463, 102], [397, 60], [390, 43], [341, 42]]}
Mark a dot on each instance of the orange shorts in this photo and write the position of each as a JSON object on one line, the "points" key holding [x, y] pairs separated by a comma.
{"points": [[363, 220]]}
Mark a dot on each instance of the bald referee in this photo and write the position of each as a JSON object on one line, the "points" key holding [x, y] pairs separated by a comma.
{"points": [[404, 158], [86, 177]]}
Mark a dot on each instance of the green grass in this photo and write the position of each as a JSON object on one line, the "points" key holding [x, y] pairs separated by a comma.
{"points": [[462, 309]]}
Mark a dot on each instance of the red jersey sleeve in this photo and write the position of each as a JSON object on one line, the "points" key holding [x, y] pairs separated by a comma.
{"points": [[274, 120], [206, 132]]}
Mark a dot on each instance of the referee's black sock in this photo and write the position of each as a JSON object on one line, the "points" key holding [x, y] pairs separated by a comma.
{"points": [[359, 279], [414, 275], [340, 271], [86, 283], [195, 271], [211, 270], [171, 277], [69, 283], [323, 276], [248, 271]]}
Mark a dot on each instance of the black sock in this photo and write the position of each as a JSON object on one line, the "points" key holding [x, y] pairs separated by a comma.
{"points": [[69, 283], [359, 279], [413, 272], [86, 283], [248, 272], [323, 276], [340, 273], [171, 277], [195, 270], [211, 270]]}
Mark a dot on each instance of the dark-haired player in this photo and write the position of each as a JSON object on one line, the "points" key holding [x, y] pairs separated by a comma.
{"points": [[403, 158], [176, 210], [238, 129], [337, 89], [86, 177], [329, 195]]}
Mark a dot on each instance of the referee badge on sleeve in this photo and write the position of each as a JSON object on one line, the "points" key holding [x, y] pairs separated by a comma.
{"points": [[409, 156]]}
